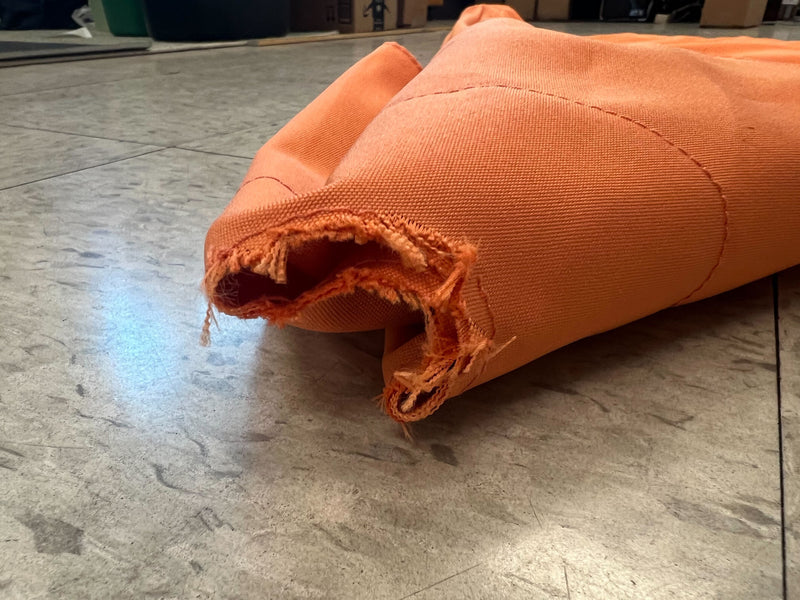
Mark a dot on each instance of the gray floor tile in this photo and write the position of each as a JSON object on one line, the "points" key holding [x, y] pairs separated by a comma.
{"points": [[28, 155], [789, 313], [24, 79], [640, 463], [20, 80], [162, 111], [244, 143], [186, 99]]}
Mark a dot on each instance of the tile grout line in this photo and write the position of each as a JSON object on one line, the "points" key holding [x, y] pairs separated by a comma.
{"points": [[776, 318], [178, 146], [86, 135], [67, 87], [110, 162], [250, 158]]}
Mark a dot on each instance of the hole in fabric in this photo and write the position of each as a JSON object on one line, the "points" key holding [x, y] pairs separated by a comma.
{"points": [[306, 268]]}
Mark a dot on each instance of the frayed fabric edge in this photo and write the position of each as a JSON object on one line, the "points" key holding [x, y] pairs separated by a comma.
{"points": [[456, 349]]}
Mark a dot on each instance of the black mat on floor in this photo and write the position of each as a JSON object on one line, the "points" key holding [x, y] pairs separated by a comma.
{"points": [[22, 52], [32, 46]]}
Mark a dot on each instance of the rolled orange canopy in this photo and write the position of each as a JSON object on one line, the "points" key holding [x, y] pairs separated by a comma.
{"points": [[526, 189]]}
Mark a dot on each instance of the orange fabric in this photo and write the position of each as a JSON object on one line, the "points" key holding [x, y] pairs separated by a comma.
{"points": [[481, 12], [526, 189], [764, 49]]}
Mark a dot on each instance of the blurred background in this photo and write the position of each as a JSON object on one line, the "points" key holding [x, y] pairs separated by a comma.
{"points": [[42, 29]]}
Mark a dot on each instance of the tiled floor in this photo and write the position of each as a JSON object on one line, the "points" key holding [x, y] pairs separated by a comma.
{"points": [[642, 463]]}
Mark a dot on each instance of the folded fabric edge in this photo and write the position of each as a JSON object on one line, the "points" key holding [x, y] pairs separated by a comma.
{"points": [[428, 277]]}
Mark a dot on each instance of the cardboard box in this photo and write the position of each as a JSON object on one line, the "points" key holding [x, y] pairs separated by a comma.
{"points": [[361, 16], [314, 15], [732, 13], [552, 10], [525, 8], [412, 13]]}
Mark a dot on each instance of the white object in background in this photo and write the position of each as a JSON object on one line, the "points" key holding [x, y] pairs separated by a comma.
{"points": [[81, 32], [83, 16], [788, 10]]}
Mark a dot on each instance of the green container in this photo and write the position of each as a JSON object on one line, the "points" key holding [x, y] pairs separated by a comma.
{"points": [[125, 17], [99, 15]]}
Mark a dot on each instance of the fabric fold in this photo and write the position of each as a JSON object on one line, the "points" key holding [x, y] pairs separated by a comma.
{"points": [[526, 189]]}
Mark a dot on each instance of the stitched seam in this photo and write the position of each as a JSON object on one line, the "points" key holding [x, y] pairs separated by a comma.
{"points": [[407, 53], [695, 161], [249, 181]]}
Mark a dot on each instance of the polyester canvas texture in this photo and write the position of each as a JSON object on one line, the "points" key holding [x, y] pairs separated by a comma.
{"points": [[526, 189]]}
